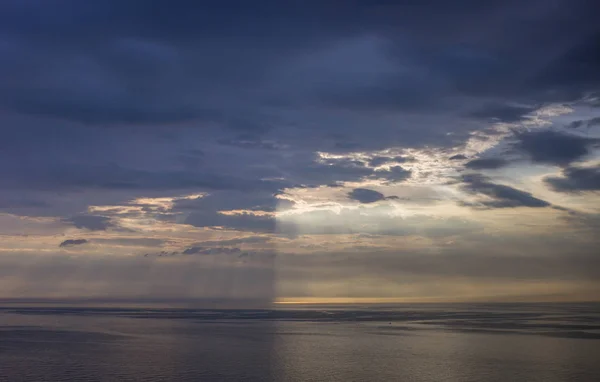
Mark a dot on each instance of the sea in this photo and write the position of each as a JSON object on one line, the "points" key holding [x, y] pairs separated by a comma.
{"points": [[403, 342]]}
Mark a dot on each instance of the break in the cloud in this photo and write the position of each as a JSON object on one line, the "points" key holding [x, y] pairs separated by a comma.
{"points": [[308, 130]]}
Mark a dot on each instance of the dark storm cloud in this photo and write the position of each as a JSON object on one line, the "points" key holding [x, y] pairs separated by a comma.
{"points": [[118, 177], [486, 164], [127, 63], [552, 147], [136, 62], [109, 166], [503, 113], [576, 179], [576, 69], [90, 222], [103, 103], [502, 196], [222, 87], [250, 142], [191, 160], [72, 242], [364, 195], [20, 205], [398, 93]]}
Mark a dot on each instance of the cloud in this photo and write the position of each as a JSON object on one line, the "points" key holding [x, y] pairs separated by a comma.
{"points": [[263, 201], [486, 164], [72, 242], [237, 241], [125, 100], [229, 210], [90, 222], [196, 94], [120, 178], [212, 251], [323, 172], [207, 250], [503, 113], [178, 66], [576, 179], [394, 174], [499, 195], [243, 221], [18, 203], [131, 241], [394, 93], [585, 220], [248, 141], [552, 147], [588, 123], [377, 161], [365, 195]]}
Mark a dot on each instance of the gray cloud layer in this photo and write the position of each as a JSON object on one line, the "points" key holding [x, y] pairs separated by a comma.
{"points": [[110, 103]]}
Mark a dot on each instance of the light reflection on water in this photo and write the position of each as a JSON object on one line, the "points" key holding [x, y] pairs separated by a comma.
{"points": [[403, 343]]}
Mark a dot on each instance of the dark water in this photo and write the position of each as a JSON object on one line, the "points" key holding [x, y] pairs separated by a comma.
{"points": [[351, 343]]}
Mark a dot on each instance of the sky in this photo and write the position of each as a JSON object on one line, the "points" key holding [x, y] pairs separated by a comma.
{"points": [[300, 151]]}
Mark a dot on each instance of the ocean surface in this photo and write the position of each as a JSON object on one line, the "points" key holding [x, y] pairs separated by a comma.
{"points": [[477, 342]]}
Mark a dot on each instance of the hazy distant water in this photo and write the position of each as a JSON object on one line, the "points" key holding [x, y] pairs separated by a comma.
{"points": [[386, 343]]}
